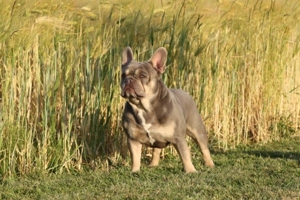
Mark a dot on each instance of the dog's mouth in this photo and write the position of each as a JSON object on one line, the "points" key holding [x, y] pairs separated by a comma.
{"points": [[128, 92], [131, 90]]}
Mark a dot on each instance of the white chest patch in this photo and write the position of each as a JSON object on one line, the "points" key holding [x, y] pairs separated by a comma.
{"points": [[146, 126]]}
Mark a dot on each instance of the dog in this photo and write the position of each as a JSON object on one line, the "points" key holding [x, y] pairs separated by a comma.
{"points": [[157, 116]]}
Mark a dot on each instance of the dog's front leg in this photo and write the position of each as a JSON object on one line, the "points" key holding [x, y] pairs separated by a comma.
{"points": [[135, 149], [185, 155]]}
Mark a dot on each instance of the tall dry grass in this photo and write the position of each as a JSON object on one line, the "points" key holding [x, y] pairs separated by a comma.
{"points": [[60, 104]]}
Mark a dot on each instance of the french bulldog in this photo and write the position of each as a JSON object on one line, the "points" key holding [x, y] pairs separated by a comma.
{"points": [[157, 116]]}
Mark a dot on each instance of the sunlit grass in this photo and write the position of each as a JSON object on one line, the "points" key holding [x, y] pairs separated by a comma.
{"points": [[268, 171]]}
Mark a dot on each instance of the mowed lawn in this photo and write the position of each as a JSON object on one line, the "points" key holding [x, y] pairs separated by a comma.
{"points": [[270, 171]]}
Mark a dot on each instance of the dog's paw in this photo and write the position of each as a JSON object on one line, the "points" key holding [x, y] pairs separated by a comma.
{"points": [[191, 171], [135, 170], [210, 164]]}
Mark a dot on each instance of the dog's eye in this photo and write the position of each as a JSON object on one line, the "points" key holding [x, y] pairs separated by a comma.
{"points": [[123, 76], [142, 76]]}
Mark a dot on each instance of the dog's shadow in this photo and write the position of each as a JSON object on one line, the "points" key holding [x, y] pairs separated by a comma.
{"points": [[264, 153], [275, 154]]}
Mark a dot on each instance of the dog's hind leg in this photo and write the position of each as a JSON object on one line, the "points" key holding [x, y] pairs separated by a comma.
{"points": [[155, 157], [196, 130]]}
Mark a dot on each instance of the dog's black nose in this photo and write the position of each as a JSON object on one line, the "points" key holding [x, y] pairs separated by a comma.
{"points": [[128, 80]]}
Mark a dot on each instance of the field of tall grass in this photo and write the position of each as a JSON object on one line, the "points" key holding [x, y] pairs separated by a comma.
{"points": [[60, 103]]}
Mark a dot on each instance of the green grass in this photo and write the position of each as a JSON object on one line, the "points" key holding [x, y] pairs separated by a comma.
{"points": [[270, 171], [60, 103]]}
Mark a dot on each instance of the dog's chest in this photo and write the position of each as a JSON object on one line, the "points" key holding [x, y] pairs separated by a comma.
{"points": [[146, 126], [156, 131]]}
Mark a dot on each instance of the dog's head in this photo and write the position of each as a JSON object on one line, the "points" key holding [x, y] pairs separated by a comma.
{"points": [[140, 79]]}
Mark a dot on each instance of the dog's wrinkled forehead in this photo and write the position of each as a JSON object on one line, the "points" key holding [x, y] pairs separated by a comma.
{"points": [[134, 65]]}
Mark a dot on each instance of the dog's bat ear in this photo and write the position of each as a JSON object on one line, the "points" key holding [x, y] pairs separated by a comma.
{"points": [[159, 59], [127, 56]]}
